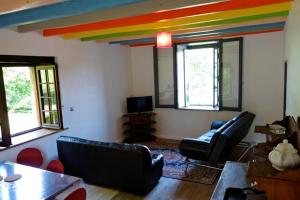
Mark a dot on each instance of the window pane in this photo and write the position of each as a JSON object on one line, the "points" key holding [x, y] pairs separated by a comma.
{"points": [[52, 90], [55, 117], [44, 91], [53, 104], [180, 75], [45, 104], [20, 98], [51, 76], [42, 75], [199, 77], [165, 77], [47, 119], [230, 74]]}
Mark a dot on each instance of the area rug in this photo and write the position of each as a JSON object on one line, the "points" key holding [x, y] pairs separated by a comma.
{"points": [[175, 167]]}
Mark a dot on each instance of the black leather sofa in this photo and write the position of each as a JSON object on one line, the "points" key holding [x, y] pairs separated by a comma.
{"points": [[128, 167], [217, 143]]}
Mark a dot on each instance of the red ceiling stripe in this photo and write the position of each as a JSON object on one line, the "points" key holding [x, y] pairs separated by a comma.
{"points": [[213, 37], [169, 14]]}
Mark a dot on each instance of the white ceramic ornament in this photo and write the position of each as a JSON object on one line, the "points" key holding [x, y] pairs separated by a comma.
{"points": [[284, 156]]}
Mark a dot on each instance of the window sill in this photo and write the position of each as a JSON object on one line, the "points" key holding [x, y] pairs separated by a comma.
{"points": [[31, 136], [200, 108]]}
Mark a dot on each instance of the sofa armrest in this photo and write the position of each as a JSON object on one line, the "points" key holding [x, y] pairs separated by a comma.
{"points": [[157, 160], [217, 124]]}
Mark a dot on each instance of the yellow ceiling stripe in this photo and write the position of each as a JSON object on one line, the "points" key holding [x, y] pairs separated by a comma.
{"points": [[201, 29], [187, 20]]}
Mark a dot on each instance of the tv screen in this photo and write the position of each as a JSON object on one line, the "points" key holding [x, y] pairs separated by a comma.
{"points": [[139, 104]]}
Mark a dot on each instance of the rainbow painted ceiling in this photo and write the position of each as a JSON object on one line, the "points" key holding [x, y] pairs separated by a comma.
{"points": [[136, 22]]}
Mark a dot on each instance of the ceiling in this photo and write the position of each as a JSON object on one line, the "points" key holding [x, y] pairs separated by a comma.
{"points": [[136, 22]]}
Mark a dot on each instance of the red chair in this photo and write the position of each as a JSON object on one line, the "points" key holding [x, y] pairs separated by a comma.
{"points": [[79, 194], [31, 157], [56, 166]]}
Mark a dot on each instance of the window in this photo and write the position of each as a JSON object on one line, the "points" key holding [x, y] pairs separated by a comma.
{"points": [[198, 75], [29, 96], [48, 96], [164, 62], [207, 75]]}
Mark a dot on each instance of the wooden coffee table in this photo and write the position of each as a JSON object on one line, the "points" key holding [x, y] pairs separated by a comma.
{"points": [[35, 184]]}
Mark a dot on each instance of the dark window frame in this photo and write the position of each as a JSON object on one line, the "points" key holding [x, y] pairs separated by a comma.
{"points": [[156, 81], [26, 61], [241, 47], [220, 63]]}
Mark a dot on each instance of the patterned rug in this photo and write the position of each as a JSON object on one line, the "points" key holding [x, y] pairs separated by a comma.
{"points": [[175, 167]]}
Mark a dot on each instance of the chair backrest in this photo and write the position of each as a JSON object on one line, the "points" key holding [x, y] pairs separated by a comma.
{"points": [[79, 194], [31, 157], [56, 166]]}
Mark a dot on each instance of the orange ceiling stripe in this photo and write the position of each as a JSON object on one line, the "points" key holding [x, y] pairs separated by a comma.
{"points": [[157, 16], [213, 37]]}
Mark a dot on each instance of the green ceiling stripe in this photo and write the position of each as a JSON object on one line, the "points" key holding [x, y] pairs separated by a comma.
{"points": [[195, 25]]}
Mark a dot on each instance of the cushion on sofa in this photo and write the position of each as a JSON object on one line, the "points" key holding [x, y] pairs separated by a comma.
{"points": [[217, 124]]}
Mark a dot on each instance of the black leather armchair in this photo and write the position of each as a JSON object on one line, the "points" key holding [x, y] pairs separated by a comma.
{"points": [[219, 141], [127, 167]]}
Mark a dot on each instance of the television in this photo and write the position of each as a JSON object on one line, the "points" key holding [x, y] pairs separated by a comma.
{"points": [[139, 104]]}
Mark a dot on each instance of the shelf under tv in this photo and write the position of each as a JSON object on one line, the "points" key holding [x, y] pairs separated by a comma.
{"points": [[138, 127]]}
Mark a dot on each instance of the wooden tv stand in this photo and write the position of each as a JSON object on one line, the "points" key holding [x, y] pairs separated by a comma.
{"points": [[139, 127]]}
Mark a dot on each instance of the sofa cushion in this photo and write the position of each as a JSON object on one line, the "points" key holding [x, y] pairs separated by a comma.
{"points": [[217, 124]]}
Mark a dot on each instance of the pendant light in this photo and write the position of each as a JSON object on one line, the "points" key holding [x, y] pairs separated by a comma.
{"points": [[164, 40]]}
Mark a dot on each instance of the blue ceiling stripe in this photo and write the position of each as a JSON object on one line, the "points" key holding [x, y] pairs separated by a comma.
{"points": [[223, 31], [62, 9], [237, 29]]}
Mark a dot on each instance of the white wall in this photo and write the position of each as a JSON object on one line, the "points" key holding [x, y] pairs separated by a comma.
{"points": [[94, 80], [262, 88], [293, 59]]}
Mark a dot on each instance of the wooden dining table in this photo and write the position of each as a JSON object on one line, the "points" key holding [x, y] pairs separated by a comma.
{"points": [[35, 183]]}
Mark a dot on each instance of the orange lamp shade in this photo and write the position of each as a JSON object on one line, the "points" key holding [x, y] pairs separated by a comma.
{"points": [[164, 40]]}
